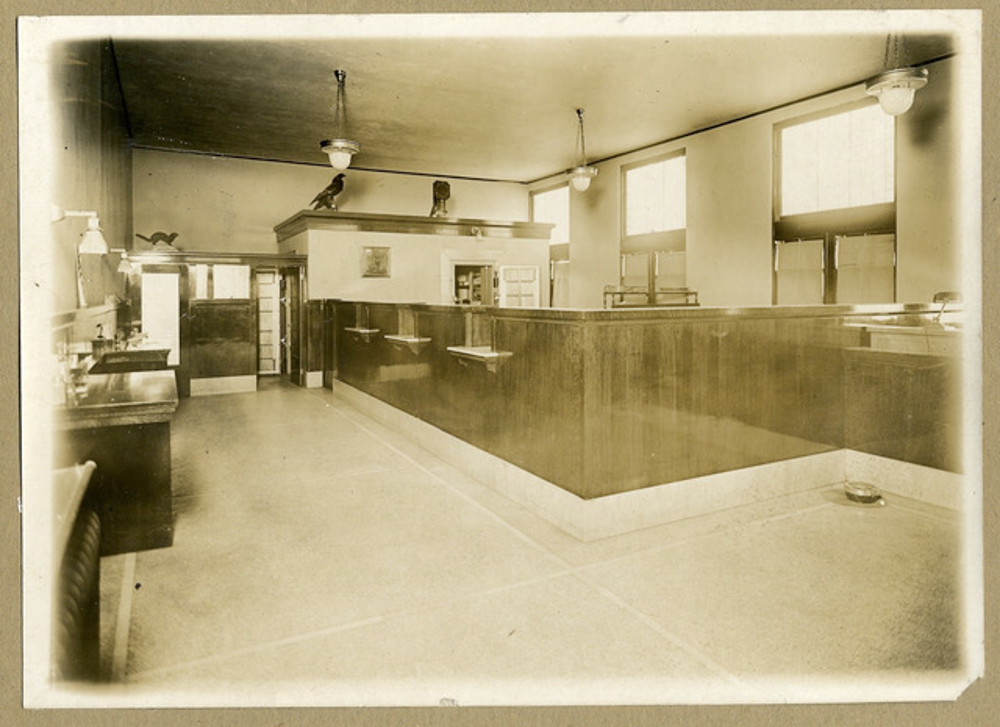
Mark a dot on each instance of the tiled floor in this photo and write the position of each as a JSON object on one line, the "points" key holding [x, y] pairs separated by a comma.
{"points": [[320, 558]]}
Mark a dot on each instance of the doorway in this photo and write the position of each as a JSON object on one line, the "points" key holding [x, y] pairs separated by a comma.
{"points": [[290, 324], [268, 322], [473, 284]]}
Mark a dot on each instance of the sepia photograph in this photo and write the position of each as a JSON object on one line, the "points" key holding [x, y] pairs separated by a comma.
{"points": [[480, 359]]}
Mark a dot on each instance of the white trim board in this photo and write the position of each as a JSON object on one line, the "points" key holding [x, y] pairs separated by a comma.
{"points": [[223, 385], [660, 504], [934, 486]]}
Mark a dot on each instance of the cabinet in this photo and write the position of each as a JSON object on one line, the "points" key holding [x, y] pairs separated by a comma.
{"points": [[122, 425], [473, 284]]}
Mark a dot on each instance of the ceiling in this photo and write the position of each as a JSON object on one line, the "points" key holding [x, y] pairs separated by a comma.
{"points": [[490, 107]]}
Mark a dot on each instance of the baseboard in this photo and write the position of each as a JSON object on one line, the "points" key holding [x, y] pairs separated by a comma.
{"points": [[892, 476], [223, 385], [613, 514]]}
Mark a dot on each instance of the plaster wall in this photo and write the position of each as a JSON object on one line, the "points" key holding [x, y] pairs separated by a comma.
{"points": [[729, 203], [87, 169], [220, 204], [928, 239], [421, 266]]}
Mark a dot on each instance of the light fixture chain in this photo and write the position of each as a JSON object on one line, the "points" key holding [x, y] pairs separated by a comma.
{"points": [[581, 138], [340, 112]]}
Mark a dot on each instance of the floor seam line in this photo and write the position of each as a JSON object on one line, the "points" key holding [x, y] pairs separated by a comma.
{"points": [[257, 648], [352, 625], [663, 631], [929, 515], [451, 488], [123, 621]]}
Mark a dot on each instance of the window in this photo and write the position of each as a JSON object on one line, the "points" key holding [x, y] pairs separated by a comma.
{"points": [[799, 271], [834, 208], [552, 206], [839, 161], [221, 281], [655, 196]]}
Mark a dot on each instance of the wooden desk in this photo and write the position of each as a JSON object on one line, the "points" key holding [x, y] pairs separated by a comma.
{"points": [[123, 424]]}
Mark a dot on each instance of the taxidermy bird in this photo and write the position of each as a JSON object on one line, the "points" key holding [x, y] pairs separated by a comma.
{"points": [[157, 237], [328, 197], [442, 193]]}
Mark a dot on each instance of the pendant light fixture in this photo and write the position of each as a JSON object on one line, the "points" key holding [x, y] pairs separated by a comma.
{"points": [[581, 174], [894, 88], [340, 149]]}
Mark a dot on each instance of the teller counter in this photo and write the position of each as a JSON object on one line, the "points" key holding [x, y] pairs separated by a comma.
{"points": [[601, 402]]}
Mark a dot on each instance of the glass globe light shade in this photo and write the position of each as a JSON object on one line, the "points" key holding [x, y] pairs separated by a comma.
{"points": [[340, 152], [895, 89], [896, 100], [340, 160], [580, 177]]}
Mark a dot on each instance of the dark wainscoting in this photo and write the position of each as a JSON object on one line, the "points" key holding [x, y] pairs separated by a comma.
{"points": [[223, 335], [905, 406], [601, 402]]}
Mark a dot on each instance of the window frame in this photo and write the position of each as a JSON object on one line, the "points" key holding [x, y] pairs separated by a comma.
{"points": [[569, 221], [664, 240], [828, 225]]}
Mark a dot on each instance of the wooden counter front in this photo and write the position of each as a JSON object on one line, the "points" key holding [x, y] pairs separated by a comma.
{"points": [[608, 401], [123, 425]]}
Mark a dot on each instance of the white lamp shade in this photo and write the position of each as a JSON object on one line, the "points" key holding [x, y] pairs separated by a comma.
{"points": [[580, 177], [340, 160], [93, 242], [340, 152], [896, 100], [895, 89]]}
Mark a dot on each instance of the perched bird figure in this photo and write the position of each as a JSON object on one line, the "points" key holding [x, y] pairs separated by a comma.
{"points": [[442, 193], [157, 237], [328, 197]]}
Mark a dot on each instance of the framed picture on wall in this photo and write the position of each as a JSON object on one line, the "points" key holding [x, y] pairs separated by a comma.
{"points": [[375, 262]]}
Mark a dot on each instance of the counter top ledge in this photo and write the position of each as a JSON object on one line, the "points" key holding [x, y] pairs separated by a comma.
{"points": [[481, 354], [414, 343], [680, 313], [122, 399]]}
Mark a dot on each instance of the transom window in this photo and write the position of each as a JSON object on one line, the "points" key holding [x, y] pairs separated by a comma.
{"points": [[655, 196], [838, 161], [552, 206]]}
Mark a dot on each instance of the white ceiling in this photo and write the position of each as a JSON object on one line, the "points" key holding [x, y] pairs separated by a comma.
{"points": [[490, 106]]}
